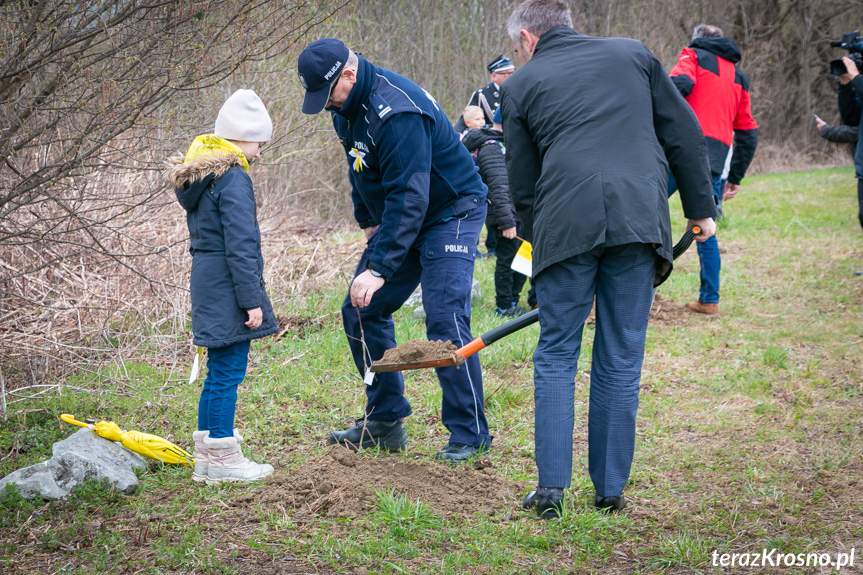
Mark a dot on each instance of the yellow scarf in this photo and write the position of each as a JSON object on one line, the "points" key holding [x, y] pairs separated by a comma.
{"points": [[207, 144]]}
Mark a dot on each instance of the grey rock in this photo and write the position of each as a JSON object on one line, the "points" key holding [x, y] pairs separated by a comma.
{"points": [[81, 456], [416, 297]]}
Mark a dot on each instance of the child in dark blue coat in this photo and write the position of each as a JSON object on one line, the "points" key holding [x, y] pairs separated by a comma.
{"points": [[230, 306]]}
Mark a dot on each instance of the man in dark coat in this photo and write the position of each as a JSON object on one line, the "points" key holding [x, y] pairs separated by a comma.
{"points": [[706, 75], [591, 126], [419, 199]]}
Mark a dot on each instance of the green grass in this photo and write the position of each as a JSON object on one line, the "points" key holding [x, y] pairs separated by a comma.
{"points": [[748, 434]]}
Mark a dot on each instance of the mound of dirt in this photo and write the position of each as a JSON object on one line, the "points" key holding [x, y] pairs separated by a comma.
{"points": [[419, 350], [341, 484]]}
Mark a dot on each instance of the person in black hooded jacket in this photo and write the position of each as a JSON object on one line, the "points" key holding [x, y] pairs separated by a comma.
{"points": [[485, 144]]}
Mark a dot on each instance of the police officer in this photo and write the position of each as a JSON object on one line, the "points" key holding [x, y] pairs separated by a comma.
{"points": [[422, 208], [488, 97]]}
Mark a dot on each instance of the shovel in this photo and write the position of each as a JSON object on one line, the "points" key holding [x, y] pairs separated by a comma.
{"points": [[148, 445], [503, 330], [459, 355]]}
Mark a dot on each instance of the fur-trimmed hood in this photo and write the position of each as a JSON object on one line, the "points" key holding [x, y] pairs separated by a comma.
{"points": [[190, 179]]}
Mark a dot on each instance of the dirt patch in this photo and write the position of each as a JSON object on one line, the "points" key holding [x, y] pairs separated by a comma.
{"points": [[299, 327], [669, 311], [419, 350], [342, 483]]}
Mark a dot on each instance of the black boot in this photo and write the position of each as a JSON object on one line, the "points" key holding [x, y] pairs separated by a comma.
{"points": [[610, 504], [365, 434], [459, 452], [548, 502]]}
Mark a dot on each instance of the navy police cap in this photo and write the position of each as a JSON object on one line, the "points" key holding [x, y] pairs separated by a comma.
{"points": [[318, 67], [500, 64]]}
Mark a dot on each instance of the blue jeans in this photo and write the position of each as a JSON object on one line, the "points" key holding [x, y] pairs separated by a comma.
{"points": [[708, 251], [442, 259], [621, 279], [226, 369]]}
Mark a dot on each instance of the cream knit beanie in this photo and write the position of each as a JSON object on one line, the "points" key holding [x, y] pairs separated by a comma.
{"points": [[244, 118]]}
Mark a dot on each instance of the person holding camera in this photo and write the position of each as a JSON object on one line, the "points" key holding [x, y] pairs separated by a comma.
{"points": [[851, 109]]}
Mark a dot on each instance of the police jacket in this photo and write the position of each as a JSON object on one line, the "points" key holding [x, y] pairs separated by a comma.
{"points": [[586, 156], [851, 110], [486, 147], [487, 98], [407, 168], [225, 243], [718, 92]]}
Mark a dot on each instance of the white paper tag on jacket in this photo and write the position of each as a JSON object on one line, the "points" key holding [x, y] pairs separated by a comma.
{"points": [[370, 377]]}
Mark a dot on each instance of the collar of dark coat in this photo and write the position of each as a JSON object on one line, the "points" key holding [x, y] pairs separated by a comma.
{"points": [[552, 35], [178, 173]]}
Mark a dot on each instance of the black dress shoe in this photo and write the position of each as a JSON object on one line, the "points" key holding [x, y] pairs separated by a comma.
{"points": [[548, 502], [365, 434], [459, 452], [610, 504]]}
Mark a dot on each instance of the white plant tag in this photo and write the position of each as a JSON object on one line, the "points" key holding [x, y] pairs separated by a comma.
{"points": [[196, 365], [370, 377]]}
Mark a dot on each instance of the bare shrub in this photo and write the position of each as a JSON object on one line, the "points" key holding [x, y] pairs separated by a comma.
{"points": [[92, 97]]}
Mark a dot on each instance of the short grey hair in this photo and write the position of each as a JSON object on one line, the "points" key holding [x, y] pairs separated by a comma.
{"points": [[538, 17], [352, 62], [706, 31]]}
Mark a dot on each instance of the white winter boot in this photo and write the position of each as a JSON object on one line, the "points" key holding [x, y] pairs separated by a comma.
{"points": [[227, 463], [202, 460]]}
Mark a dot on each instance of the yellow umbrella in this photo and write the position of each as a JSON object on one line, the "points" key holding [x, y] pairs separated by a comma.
{"points": [[148, 445]]}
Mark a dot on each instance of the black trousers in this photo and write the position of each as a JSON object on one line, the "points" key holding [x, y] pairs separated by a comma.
{"points": [[508, 283], [491, 239]]}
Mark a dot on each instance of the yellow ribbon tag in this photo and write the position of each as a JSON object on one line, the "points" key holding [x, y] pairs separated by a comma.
{"points": [[205, 145], [359, 159]]}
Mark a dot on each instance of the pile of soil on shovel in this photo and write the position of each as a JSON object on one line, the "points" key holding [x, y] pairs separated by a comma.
{"points": [[341, 484], [419, 350]]}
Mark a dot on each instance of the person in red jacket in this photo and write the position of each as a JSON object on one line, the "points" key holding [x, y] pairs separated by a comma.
{"points": [[718, 92]]}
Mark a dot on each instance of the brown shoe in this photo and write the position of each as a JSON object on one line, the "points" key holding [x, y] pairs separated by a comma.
{"points": [[705, 308]]}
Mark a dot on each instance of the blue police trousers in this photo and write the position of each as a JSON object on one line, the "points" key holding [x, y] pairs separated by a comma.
{"points": [[442, 259]]}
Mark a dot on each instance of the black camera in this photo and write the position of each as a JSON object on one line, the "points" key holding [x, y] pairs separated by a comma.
{"points": [[851, 42]]}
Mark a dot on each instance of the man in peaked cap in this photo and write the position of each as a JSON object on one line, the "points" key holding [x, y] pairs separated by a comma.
{"points": [[488, 97], [422, 208]]}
